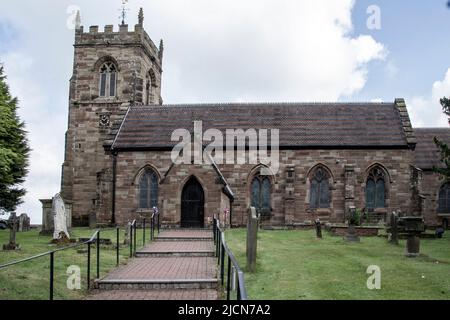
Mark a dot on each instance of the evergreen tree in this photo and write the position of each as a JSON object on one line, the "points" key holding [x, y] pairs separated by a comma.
{"points": [[444, 148], [14, 150]]}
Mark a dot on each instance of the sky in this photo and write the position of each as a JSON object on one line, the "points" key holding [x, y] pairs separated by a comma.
{"points": [[231, 51]]}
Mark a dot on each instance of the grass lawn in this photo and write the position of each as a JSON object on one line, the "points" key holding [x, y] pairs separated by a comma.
{"points": [[30, 280], [294, 265]]}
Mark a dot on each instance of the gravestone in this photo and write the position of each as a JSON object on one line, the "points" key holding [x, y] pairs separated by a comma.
{"points": [[24, 223], [12, 245], [352, 236], [47, 217], [412, 226], [318, 228], [252, 235], [92, 220], [393, 228], [126, 240], [60, 233]]}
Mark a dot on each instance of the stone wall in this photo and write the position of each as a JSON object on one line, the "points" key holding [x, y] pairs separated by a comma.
{"points": [[290, 195]]}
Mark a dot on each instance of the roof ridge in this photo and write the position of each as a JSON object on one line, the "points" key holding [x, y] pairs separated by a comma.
{"points": [[259, 104]]}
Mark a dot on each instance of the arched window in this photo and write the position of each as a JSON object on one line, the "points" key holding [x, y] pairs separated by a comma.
{"points": [[148, 190], [375, 189], [319, 196], [444, 198], [260, 194], [108, 79]]}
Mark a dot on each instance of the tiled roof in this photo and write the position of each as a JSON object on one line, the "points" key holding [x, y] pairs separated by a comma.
{"points": [[427, 154], [300, 124]]}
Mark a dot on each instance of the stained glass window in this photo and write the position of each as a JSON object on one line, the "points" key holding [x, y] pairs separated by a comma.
{"points": [[444, 198], [319, 190], [148, 190], [261, 194], [375, 189]]}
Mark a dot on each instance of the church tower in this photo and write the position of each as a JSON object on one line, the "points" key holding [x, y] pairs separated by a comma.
{"points": [[112, 70]]}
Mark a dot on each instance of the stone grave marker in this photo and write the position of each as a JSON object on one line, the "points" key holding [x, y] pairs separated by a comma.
{"points": [[393, 228], [318, 228], [12, 245], [126, 239], [352, 236], [24, 223], [60, 233], [252, 235]]}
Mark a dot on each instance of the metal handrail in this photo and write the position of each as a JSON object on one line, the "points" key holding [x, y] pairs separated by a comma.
{"points": [[221, 249], [94, 238], [79, 244]]}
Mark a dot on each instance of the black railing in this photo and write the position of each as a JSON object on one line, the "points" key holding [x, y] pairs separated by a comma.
{"points": [[95, 239], [223, 250]]}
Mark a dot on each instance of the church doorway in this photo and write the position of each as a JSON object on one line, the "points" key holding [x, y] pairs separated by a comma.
{"points": [[192, 205]]}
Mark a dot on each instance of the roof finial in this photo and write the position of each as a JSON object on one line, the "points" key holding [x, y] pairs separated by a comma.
{"points": [[161, 50], [78, 20], [141, 17]]}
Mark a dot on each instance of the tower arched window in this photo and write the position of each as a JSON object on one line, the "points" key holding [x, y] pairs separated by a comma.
{"points": [[376, 189], [148, 190], [260, 194], [319, 196], [444, 198], [108, 79]]}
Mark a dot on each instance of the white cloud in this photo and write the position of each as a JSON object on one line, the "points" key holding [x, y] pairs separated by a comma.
{"points": [[427, 111], [216, 50]]}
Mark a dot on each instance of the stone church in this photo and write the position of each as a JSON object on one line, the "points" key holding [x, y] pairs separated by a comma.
{"points": [[332, 156]]}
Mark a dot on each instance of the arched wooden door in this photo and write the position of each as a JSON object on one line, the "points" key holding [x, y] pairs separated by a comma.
{"points": [[192, 205]]}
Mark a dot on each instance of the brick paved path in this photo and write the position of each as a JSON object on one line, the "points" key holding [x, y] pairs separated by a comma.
{"points": [[179, 264]]}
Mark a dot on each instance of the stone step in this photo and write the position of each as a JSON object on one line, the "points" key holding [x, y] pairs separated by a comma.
{"points": [[163, 238], [140, 254], [185, 235], [177, 249], [146, 284], [155, 294], [163, 273]]}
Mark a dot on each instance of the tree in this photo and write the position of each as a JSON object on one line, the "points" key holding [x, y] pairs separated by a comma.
{"points": [[14, 150], [444, 148]]}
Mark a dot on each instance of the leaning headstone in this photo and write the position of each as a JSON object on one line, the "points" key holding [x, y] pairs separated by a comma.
{"points": [[252, 235], [318, 228], [60, 233], [12, 245]]}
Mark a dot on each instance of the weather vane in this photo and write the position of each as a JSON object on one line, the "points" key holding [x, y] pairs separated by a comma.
{"points": [[123, 13]]}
